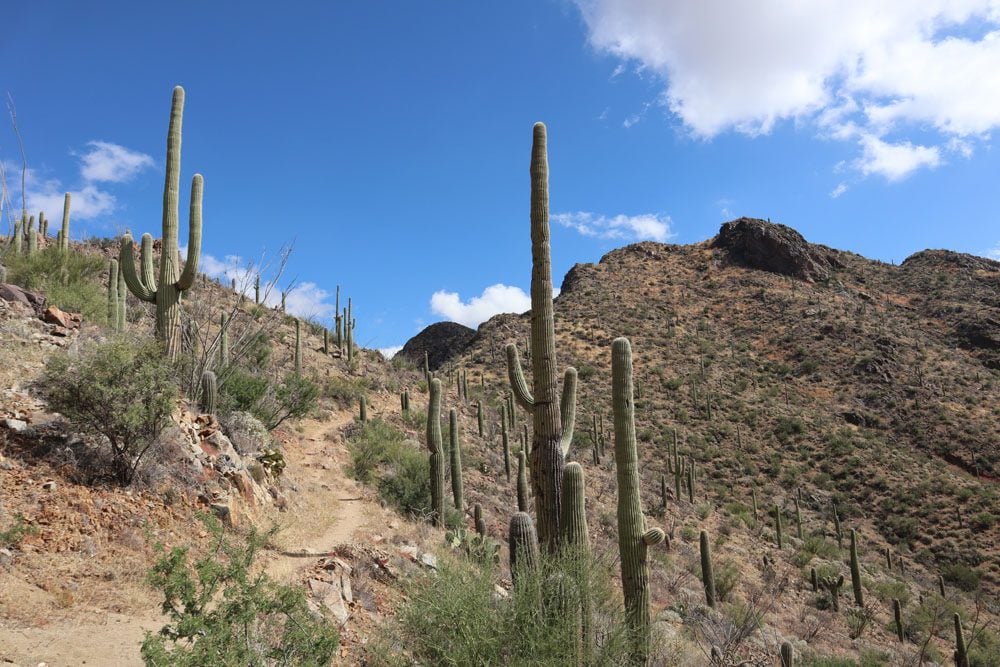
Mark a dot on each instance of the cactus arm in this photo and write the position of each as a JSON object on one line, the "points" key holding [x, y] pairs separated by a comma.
{"points": [[194, 235], [653, 536], [147, 271], [567, 409], [126, 264], [517, 381]]}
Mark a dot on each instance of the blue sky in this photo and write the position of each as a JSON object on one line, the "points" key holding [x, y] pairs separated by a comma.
{"points": [[389, 141]]}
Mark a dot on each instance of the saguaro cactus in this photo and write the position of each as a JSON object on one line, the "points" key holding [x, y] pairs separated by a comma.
{"points": [[64, 232], [505, 441], [897, 616], [208, 393], [552, 421], [522, 482], [477, 516], [456, 459], [633, 538], [707, 577], [787, 655], [961, 654], [479, 418], [363, 410], [833, 585], [172, 281], [32, 237], [298, 347], [798, 519], [437, 453], [576, 544], [522, 544], [223, 341], [777, 527], [859, 595]]}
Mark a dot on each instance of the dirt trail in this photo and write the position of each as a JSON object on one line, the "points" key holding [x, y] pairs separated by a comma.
{"points": [[325, 508]]}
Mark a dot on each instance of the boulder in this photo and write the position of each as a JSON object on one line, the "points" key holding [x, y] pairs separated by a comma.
{"points": [[15, 294], [247, 433], [61, 318], [768, 246]]}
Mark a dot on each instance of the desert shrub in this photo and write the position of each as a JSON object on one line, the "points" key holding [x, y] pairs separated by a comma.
{"points": [[223, 610], [454, 617], [241, 391], [70, 280], [345, 390], [727, 577], [961, 576], [11, 537], [585, 372], [984, 649], [120, 390], [380, 456], [295, 397], [815, 545]]}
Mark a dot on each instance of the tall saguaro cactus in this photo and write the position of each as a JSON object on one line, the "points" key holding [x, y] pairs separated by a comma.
{"points": [[707, 575], [633, 538], [437, 452], [552, 420], [64, 232], [859, 595], [166, 293], [456, 460]]}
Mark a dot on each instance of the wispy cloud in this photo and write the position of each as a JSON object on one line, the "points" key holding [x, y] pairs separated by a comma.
{"points": [[495, 299], [646, 226], [994, 253], [853, 69], [839, 190], [390, 352]]}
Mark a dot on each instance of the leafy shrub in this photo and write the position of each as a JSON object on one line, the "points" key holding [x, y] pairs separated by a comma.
{"points": [[454, 617], [727, 576], [380, 456], [70, 280], [11, 537], [345, 390], [120, 390], [224, 611], [241, 391], [585, 372], [295, 397], [961, 576]]}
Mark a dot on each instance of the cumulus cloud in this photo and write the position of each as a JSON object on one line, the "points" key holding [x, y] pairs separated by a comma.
{"points": [[390, 352], [646, 226], [853, 68], [495, 299], [104, 162], [306, 299], [113, 163]]}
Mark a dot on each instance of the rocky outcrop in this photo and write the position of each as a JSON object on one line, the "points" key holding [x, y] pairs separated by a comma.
{"points": [[441, 341], [768, 246]]}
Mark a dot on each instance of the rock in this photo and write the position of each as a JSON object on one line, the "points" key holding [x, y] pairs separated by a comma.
{"points": [[441, 341], [330, 595], [49, 485], [6, 557], [15, 425], [15, 294], [247, 434], [225, 513], [430, 560], [776, 248], [61, 318]]}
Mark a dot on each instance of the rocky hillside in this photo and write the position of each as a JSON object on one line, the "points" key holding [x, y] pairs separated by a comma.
{"points": [[792, 371]]}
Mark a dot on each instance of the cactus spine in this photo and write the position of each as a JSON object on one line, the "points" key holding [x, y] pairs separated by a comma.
{"points": [[633, 538], [522, 544], [859, 596], [208, 393], [961, 654], [437, 454], [707, 577], [897, 616], [522, 482], [64, 232], [172, 281], [552, 420], [456, 459]]}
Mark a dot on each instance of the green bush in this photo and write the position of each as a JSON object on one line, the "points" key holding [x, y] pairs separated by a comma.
{"points": [[11, 537], [345, 390], [295, 397], [121, 390], [72, 280], [380, 456], [453, 617], [241, 391], [961, 576], [224, 611]]}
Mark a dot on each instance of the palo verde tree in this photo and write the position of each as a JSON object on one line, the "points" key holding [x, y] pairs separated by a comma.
{"points": [[552, 420], [166, 291]]}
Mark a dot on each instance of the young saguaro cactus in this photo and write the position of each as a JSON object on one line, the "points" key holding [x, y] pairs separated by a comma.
{"points": [[437, 452], [166, 292], [961, 653], [633, 538], [576, 544], [859, 595], [552, 419], [522, 543], [64, 232], [208, 392], [456, 459], [113, 320], [522, 482], [477, 516], [298, 347], [223, 340], [707, 576], [787, 655]]}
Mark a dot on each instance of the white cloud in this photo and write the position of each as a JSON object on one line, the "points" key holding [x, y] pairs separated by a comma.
{"points": [[308, 300], [646, 226], [495, 299], [994, 253], [839, 190], [852, 67], [111, 162], [390, 352], [895, 161]]}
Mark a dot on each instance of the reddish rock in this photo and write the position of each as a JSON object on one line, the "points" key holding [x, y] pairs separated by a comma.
{"points": [[53, 315]]}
